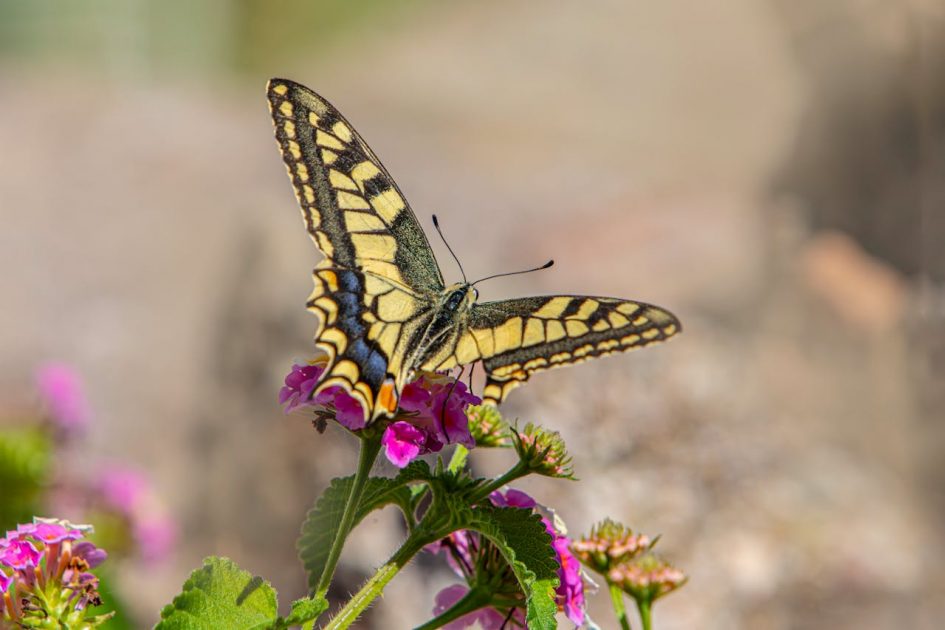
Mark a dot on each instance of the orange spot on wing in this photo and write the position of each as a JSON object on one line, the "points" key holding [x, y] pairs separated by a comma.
{"points": [[387, 397]]}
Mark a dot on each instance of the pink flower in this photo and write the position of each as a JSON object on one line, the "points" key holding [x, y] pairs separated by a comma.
{"points": [[349, 412], [431, 411], [512, 498], [302, 381], [440, 403], [403, 442], [48, 533], [60, 389], [570, 589], [20, 555], [44, 578]]}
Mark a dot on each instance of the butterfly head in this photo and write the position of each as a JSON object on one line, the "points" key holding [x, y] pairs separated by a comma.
{"points": [[459, 297]]}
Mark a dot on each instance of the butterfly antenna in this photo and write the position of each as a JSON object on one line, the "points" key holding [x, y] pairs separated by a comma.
{"points": [[436, 224], [514, 273]]}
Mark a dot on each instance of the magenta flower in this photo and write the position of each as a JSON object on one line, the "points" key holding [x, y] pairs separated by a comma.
{"points": [[48, 533], [60, 390], [440, 403], [431, 412], [571, 585], [302, 381], [512, 498], [45, 579], [20, 555], [403, 442]]}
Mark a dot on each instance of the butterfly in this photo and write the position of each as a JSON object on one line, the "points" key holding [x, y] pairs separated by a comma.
{"points": [[384, 309]]}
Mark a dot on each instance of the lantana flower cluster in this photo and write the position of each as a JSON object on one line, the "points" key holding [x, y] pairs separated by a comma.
{"points": [[45, 576], [626, 560], [431, 413], [477, 561]]}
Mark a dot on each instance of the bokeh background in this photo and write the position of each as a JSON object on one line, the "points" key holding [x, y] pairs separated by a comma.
{"points": [[771, 171]]}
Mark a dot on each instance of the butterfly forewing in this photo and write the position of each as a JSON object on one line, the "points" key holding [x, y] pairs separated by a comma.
{"points": [[379, 277], [516, 338]]}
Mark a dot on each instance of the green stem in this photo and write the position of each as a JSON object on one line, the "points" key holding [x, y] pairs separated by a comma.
{"points": [[370, 447], [374, 586], [516, 471], [644, 607], [616, 597], [476, 598], [458, 460]]}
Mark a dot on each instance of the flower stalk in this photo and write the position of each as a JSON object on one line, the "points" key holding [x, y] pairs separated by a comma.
{"points": [[373, 588], [620, 609], [370, 447]]}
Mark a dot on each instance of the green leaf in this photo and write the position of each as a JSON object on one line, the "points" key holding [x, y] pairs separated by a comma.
{"points": [[307, 609], [522, 539], [323, 520], [221, 595]]}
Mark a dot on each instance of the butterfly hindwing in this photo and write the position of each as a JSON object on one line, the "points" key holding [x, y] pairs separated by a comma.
{"points": [[516, 338], [379, 277]]}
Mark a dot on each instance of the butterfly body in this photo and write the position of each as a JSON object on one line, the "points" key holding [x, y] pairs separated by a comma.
{"points": [[384, 310]]}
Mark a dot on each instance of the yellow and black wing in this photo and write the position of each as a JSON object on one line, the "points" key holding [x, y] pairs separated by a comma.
{"points": [[379, 277], [516, 338]]}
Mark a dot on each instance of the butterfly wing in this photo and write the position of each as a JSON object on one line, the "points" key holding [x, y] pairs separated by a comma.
{"points": [[516, 338], [379, 277]]}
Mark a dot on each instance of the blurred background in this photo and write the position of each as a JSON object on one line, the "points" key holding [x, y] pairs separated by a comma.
{"points": [[770, 171]]}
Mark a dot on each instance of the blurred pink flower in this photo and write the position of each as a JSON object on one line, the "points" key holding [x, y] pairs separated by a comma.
{"points": [[123, 489], [155, 537], [128, 492], [61, 392]]}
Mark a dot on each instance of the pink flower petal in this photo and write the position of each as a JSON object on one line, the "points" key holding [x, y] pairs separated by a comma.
{"points": [[402, 443]]}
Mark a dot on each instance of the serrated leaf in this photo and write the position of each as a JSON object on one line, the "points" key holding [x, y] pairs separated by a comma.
{"points": [[304, 610], [221, 595], [522, 539], [322, 521]]}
